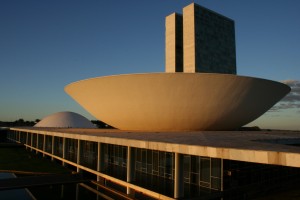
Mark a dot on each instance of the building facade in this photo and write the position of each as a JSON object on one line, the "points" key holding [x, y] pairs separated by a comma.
{"points": [[160, 167], [174, 43], [208, 41]]}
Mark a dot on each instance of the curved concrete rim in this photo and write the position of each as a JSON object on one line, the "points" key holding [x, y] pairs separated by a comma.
{"points": [[153, 73], [176, 101]]}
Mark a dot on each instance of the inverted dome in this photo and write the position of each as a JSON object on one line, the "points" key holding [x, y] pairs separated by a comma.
{"points": [[65, 120], [177, 101]]}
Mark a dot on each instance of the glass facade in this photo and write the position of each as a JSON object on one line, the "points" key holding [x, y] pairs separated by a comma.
{"points": [[89, 154], [58, 144], [34, 139], [114, 160], [215, 42], [202, 175], [71, 149], [48, 145], [40, 141], [23, 138], [155, 170], [28, 139]]}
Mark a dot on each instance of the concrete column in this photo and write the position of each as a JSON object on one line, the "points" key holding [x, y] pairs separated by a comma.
{"points": [[178, 178], [44, 145], [62, 191], [99, 160], [130, 169], [26, 140], [52, 149], [222, 178], [78, 155], [64, 151], [37, 143], [31, 139], [77, 191]]}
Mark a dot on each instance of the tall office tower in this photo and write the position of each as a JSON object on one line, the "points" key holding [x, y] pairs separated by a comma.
{"points": [[208, 41], [174, 43]]}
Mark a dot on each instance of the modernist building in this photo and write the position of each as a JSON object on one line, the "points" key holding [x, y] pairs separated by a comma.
{"points": [[174, 43], [174, 165], [153, 156], [200, 40]]}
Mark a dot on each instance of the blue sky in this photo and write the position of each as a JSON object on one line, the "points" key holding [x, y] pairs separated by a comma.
{"points": [[45, 45]]}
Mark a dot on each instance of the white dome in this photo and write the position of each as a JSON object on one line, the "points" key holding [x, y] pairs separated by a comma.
{"points": [[65, 120]]}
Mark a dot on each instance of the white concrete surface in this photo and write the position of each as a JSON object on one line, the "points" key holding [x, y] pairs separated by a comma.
{"points": [[176, 101], [65, 120]]}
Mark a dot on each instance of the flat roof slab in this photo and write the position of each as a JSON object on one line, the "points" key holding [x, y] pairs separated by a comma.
{"points": [[268, 147]]}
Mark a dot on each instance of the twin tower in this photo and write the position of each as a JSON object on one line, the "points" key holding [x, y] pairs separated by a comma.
{"points": [[200, 40]]}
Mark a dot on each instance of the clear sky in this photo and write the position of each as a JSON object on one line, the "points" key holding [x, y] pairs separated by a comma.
{"points": [[45, 45]]}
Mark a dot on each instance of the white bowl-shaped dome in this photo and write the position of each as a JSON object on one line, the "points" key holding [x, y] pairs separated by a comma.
{"points": [[176, 101], [65, 120]]}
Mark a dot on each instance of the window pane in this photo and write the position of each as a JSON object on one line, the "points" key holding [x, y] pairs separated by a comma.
{"points": [[216, 183], [216, 167], [205, 169], [195, 164], [155, 160], [149, 156]]}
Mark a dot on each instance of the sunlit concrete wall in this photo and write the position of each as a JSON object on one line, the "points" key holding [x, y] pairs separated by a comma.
{"points": [[174, 43], [177, 101]]}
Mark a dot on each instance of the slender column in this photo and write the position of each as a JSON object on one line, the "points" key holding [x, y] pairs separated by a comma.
{"points": [[62, 191], [37, 143], [178, 179], [77, 191], [52, 149], [26, 139], [78, 155], [130, 169], [31, 141], [44, 145], [99, 168], [222, 189], [64, 151]]}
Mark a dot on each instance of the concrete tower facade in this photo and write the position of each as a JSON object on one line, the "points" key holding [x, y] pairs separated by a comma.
{"points": [[208, 41], [174, 43]]}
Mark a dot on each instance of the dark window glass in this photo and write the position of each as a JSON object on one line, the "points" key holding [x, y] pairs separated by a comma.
{"points": [[155, 160], [216, 167], [139, 155], [149, 156], [195, 164], [205, 170], [216, 183], [162, 159]]}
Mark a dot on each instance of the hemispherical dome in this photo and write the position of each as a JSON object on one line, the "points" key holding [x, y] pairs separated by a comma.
{"points": [[65, 120]]}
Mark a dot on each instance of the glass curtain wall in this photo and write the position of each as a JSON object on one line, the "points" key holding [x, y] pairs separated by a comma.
{"points": [[23, 137], [48, 144], [34, 139], [71, 149], [202, 175], [29, 139], [154, 170], [238, 173], [40, 141], [115, 160], [58, 146], [89, 154]]}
